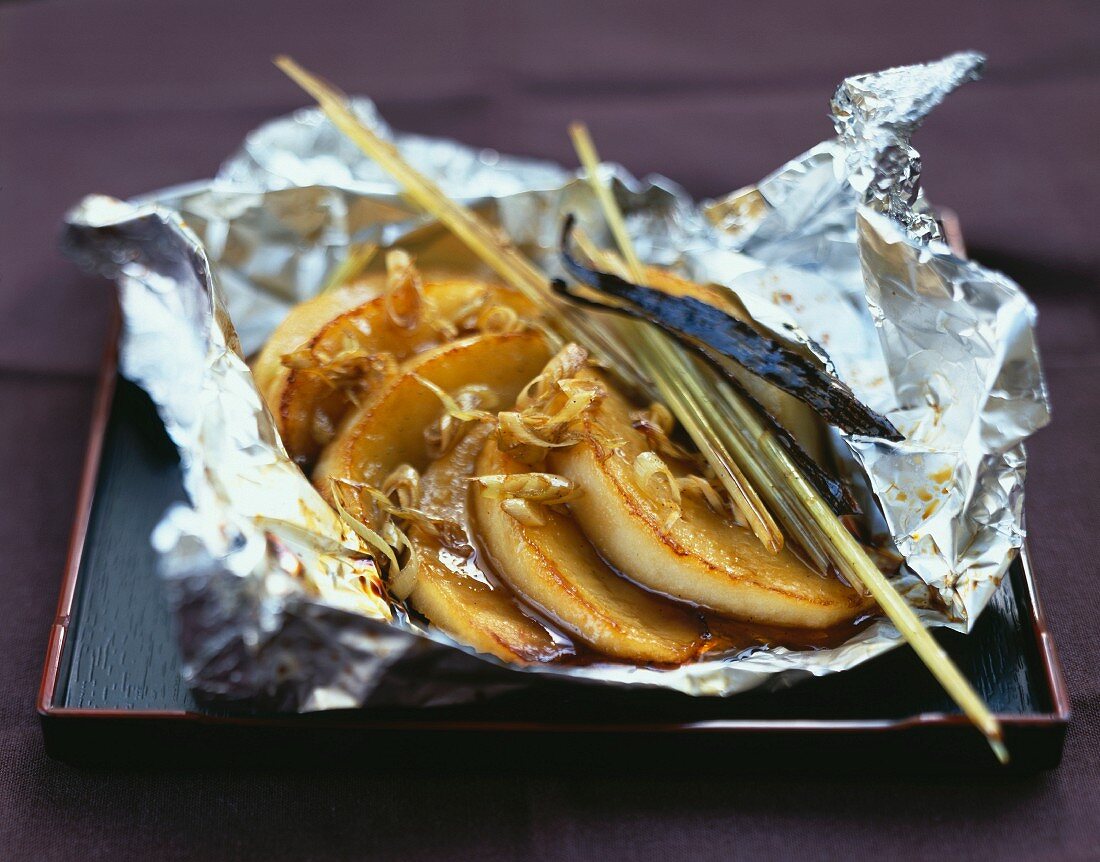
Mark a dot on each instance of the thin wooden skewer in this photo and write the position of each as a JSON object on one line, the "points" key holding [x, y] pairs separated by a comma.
{"points": [[850, 557]]}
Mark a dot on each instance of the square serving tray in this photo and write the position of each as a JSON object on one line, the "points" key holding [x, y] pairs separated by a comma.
{"points": [[112, 689]]}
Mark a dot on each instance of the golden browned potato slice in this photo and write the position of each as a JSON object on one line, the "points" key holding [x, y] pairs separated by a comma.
{"points": [[388, 429], [308, 403], [704, 557], [555, 569], [304, 321], [479, 616], [449, 591]]}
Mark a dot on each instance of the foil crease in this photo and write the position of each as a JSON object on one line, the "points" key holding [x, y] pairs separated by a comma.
{"points": [[276, 601]]}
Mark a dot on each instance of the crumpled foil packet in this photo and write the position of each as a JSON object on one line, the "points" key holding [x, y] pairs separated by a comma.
{"points": [[276, 599]]}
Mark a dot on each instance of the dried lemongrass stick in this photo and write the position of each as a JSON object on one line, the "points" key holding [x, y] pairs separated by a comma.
{"points": [[847, 553], [487, 244]]}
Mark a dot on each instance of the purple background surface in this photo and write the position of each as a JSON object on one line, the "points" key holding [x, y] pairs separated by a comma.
{"points": [[120, 96]]}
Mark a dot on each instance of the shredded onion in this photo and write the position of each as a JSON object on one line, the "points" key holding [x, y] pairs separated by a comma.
{"points": [[404, 483], [522, 495], [391, 540], [657, 482], [362, 530], [452, 406], [656, 424], [701, 487], [581, 395], [465, 318], [549, 405], [403, 282], [518, 438], [566, 363], [459, 412], [349, 369], [548, 488], [403, 580], [499, 319], [524, 511], [451, 534]]}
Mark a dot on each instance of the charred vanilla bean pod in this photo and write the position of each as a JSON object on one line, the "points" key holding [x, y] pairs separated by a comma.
{"points": [[712, 333], [832, 490]]}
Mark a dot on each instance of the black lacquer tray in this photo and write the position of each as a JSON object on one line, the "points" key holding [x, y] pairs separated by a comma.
{"points": [[111, 687], [112, 691]]}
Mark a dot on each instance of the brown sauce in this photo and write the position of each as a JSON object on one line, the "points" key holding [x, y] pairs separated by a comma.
{"points": [[723, 636]]}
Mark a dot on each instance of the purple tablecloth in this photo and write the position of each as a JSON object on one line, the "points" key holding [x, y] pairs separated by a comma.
{"points": [[121, 96]]}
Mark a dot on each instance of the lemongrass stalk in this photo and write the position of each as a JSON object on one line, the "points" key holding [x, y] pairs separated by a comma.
{"points": [[853, 562], [848, 555], [487, 244], [658, 350]]}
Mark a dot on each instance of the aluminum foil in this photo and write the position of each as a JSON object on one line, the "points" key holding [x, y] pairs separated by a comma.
{"points": [[276, 600]]}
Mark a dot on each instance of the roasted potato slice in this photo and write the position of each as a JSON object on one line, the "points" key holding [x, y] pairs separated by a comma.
{"points": [[479, 616], [388, 429], [704, 557], [450, 593], [555, 569], [304, 321], [318, 362]]}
